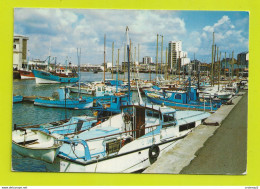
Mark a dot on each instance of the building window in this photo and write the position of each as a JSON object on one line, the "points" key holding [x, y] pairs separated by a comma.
{"points": [[14, 46]]}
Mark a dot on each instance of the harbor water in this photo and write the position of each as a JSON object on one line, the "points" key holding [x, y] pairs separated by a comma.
{"points": [[26, 113]]}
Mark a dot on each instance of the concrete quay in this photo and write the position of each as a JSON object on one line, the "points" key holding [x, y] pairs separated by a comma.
{"points": [[216, 147]]}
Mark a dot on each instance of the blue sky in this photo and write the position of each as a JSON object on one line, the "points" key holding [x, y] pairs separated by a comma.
{"points": [[69, 29]]}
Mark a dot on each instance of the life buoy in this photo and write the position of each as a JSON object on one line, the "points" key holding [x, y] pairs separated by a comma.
{"points": [[153, 153]]}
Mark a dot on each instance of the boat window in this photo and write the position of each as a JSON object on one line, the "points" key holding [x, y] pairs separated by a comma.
{"points": [[113, 146], [186, 126], [168, 117], [178, 96], [152, 114], [114, 100]]}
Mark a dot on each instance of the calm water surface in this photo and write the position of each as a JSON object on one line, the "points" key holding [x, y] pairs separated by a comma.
{"points": [[28, 114]]}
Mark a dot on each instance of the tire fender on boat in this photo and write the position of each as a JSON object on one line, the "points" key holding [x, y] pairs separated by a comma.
{"points": [[153, 153]]}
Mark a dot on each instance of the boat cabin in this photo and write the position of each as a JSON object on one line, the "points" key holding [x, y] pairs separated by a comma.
{"points": [[61, 94], [183, 96], [148, 119]]}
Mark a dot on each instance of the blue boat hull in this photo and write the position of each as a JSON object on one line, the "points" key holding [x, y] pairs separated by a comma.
{"points": [[193, 105], [47, 77], [70, 104], [17, 99]]}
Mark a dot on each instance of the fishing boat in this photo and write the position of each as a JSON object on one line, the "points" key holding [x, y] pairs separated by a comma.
{"points": [[84, 88], [58, 75], [36, 144], [44, 77], [184, 99], [17, 98], [214, 93], [62, 99], [109, 105]]}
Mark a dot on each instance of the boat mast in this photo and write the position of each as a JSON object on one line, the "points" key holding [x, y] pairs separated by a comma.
{"points": [[214, 66], [112, 58], [225, 64], [104, 58], [128, 62], [232, 65], [49, 61], [216, 69], [124, 60], [135, 72], [179, 66], [117, 71], [157, 57], [166, 64], [212, 59], [79, 56], [66, 61], [219, 64], [138, 52], [161, 54]]}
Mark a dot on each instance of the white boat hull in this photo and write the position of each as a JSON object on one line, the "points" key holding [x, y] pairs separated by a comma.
{"points": [[27, 77], [47, 155], [44, 81], [129, 163], [131, 157], [36, 144], [82, 91]]}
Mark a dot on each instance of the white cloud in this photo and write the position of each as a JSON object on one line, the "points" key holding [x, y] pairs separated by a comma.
{"points": [[68, 29], [228, 37]]}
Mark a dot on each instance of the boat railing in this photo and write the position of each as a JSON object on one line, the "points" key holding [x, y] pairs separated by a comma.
{"points": [[87, 155]]}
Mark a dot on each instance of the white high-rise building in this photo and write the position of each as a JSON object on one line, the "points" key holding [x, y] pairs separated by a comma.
{"points": [[147, 60], [175, 54]]}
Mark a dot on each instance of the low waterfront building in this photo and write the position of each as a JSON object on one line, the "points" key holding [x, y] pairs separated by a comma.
{"points": [[20, 52]]}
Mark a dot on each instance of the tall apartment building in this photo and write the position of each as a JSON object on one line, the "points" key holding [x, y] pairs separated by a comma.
{"points": [[19, 51], [243, 59], [147, 60], [176, 55]]}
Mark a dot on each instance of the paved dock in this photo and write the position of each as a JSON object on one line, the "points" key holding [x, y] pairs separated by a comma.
{"points": [[211, 149]]}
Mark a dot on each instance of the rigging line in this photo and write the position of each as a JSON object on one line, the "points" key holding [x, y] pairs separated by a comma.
{"points": [[136, 164]]}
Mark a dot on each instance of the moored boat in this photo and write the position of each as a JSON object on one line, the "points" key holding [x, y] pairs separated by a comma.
{"points": [[44, 77], [129, 141], [36, 144], [62, 99], [17, 98]]}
